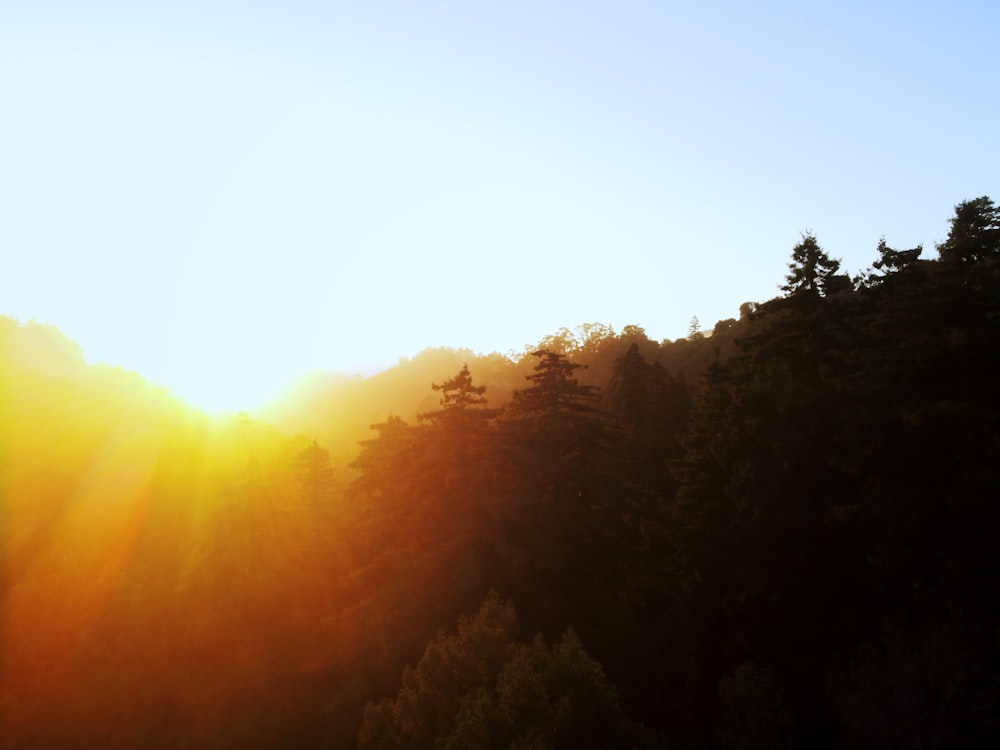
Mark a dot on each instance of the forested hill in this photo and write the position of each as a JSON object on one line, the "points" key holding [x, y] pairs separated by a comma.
{"points": [[781, 534], [339, 410]]}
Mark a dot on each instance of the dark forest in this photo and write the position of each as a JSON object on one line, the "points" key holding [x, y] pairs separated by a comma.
{"points": [[780, 533]]}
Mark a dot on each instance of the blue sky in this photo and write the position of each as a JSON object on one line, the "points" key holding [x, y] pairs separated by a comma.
{"points": [[222, 195]]}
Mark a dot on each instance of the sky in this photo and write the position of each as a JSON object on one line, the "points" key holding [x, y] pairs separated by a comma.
{"points": [[225, 195]]}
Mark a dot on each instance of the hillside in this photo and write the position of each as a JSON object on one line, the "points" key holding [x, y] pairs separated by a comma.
{"points": [[781, 534]]}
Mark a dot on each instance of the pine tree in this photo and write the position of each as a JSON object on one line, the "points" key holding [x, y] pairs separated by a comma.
{"points": [[556, 424], [812, 273], [457, 436], [387, 462], [694, 328], [482, 688], [462, 404], [630, 391], [314, 471], [974, 234], [554, 388], [892, 261]]}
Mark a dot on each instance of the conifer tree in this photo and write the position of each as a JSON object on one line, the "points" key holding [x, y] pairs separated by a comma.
{"points": [[314, 471], [630, 391], [974, 234], [388, 460], [482, 688], [812, 272], [892, 261], [456, 436], [463, 405], [556, 423], [554, 388]]}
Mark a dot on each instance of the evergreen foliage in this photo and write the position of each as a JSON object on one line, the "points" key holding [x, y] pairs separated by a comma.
{"points": [[811, 273], [482, 688], [974, 236], [781, 535]]}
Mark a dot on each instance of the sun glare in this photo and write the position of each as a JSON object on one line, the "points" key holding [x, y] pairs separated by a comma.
{"points": [[218, 390], [221, 395]]}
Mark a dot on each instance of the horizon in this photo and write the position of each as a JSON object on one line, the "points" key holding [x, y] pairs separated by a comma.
{"points": [[221, 199], [222, 407]]}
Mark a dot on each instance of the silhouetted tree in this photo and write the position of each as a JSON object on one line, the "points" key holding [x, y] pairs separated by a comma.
{"points": [[652, 405], [892, 261], [812, 272], [554, 390], [314, 471], [824, 576], [555, 429], [388, 461], [456, 436], [463, 409], [630, 393], [974, 234], [481, 688], [694, 328]]}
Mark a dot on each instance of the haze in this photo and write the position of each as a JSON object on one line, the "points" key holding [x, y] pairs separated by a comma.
{"points": [[225, 197]]}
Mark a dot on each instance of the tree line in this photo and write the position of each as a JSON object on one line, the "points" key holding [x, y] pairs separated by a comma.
{"points": [[778, 534]]}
